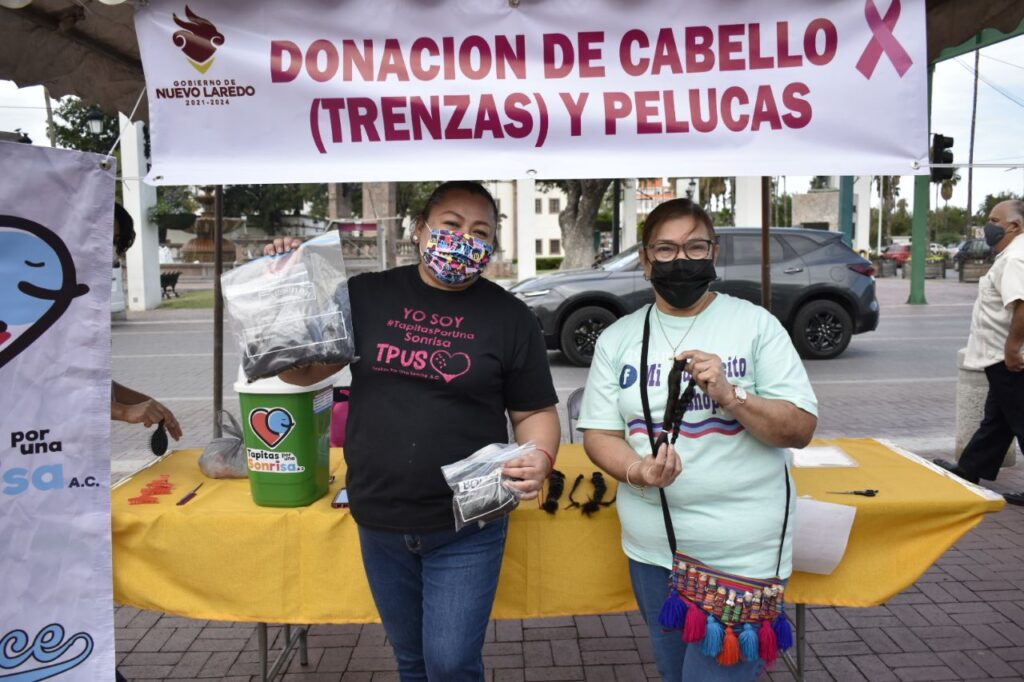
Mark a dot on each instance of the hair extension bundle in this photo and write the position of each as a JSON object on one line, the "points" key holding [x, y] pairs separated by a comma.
{"points": [[556, 485], [575, 487], [600, 490], [676, 405]]}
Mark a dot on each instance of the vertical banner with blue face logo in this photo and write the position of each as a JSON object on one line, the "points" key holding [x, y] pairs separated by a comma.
{"points": [[56, 598]]}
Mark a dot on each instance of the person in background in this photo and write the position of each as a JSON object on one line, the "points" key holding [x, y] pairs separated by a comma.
{"points": [[127, 405], [996, 345]]}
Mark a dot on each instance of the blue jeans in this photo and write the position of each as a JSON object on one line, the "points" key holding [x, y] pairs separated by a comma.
{"points": [[434, 592], [676, 659]]}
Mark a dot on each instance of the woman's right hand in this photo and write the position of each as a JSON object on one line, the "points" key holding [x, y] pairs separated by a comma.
{"points": [[281, 245], [662, 468]]}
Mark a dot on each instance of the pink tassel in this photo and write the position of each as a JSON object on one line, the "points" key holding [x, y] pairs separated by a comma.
{"points": [[769, 644], [696, 626]]}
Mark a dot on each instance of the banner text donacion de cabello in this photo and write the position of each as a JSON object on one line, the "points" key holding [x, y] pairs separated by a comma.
{"points": [[690, 50]]}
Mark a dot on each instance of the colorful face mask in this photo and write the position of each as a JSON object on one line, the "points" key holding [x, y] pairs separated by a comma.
{"points": [[455, 258]]}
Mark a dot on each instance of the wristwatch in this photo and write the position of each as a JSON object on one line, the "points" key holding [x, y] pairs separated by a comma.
{"points": [[741, 394]]}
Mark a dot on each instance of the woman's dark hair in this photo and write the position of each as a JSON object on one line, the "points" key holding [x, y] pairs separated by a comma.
{"points": [[125, 236], [460, 186], [672, 209]]}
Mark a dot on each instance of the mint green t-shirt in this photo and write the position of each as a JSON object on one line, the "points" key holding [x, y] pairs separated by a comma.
{"points": [[728, 503]]}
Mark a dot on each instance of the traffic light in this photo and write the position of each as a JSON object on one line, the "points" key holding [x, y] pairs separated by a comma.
{"points": [[942, 152]]}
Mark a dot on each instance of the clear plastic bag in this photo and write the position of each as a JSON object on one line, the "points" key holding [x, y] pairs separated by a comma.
{"points": [[224, 457], [480, 494], [292, 309]]}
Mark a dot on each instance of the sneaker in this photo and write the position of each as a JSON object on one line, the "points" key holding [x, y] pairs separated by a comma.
{"points": [[1016, 498], [954, 469]]}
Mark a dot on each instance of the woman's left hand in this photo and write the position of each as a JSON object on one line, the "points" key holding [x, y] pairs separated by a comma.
{"points": [[709, 371], [532, 468]]}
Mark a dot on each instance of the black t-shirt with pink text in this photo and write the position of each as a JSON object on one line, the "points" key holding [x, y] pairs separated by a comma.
{"points": [[437, 371]]}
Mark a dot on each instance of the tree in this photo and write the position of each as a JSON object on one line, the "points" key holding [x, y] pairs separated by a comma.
{"points": [[902, 222], [948, 185], [946, 225], [72, 130], [713, 191], [981, 217], [583, 201], [890, 185], [820, 182], [264, 205]]}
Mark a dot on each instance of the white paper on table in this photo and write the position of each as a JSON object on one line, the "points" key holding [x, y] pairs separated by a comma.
{"points": [[820, 534], [822, 456]]}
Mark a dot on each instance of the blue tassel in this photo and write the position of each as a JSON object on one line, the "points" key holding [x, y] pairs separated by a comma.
{"points": [[714, 638], [748, 643], [783, 631], [673, 612]]}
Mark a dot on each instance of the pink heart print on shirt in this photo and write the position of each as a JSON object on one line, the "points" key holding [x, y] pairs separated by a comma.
{"points": [[449, 365]]}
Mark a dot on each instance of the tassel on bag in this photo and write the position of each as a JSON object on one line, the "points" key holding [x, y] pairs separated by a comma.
{"points": [[748, 643], [769, 645], [783, 631], [714, 638], [730, 648], [673, 612], [696, 625]]}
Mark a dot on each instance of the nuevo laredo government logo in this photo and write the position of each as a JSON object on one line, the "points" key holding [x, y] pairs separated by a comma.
{"points": [[198, 39]]}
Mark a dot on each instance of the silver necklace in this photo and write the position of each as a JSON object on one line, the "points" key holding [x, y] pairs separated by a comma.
{"points": [[661, 326]]}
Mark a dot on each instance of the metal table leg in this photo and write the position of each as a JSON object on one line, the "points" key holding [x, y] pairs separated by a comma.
{"points": [[797, 667], [288, 648]]}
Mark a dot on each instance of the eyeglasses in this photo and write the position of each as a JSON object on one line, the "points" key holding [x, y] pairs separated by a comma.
{"points": [[694, 249]]}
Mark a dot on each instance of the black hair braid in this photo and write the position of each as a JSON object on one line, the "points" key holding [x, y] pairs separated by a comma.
{"points": [[556, 485], [600, 490]]}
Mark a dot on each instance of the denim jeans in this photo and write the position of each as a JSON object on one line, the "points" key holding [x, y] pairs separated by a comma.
{"points": [[434, 592], [676, 659]]}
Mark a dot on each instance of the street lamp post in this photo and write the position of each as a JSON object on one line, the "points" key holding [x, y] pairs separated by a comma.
{"points": [[94, 120]]}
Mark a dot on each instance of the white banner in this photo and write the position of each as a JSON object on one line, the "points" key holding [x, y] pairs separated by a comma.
{"points": [[56, 225], [262, 91]]}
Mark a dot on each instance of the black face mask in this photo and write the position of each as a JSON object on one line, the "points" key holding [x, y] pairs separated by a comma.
{"points": [[993, 233], [682, 282]]}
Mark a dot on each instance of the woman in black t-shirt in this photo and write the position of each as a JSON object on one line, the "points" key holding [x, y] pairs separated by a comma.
{"points": [[444, 356]]}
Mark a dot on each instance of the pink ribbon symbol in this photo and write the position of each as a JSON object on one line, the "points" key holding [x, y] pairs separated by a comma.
{"points": [[882, 40]]}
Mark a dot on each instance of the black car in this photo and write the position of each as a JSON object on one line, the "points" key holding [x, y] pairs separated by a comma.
{"points": [[971, 250], [822, 291]]}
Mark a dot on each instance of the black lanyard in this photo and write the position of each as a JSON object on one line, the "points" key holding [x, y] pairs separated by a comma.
{"points": [[645, 401]]}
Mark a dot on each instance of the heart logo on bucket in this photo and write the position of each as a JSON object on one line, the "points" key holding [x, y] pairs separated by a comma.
{"points": [[271, 426], [449, 365]]}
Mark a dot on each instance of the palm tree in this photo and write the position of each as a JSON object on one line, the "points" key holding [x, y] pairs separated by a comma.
{"points": [[948, 185]]}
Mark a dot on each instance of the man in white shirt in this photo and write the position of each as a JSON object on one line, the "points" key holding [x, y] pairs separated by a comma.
{"points": [[996, 345]]}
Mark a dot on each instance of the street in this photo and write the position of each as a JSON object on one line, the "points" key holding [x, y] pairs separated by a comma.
{"points": [[898, 382]]}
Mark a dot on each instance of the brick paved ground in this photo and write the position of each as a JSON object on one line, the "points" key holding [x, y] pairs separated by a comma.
{"points": [[963, 620]]}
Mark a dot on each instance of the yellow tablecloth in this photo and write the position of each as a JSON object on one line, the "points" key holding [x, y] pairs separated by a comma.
{"points": [[221, 557]]}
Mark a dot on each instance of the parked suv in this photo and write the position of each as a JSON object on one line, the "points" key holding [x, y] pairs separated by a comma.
{"points": [[972, 249], [822, 291]]}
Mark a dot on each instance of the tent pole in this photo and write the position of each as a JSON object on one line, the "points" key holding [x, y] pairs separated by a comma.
{"points": [[218, 311], [766, 259]]}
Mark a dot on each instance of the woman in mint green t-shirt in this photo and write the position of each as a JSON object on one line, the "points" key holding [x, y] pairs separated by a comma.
{"points": [[726, 481]]}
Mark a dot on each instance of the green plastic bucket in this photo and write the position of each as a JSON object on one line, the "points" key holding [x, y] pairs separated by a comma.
{"points": [[287, 440]]}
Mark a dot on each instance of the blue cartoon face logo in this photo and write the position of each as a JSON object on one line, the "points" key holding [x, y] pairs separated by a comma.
{"points": [[37, 283]]}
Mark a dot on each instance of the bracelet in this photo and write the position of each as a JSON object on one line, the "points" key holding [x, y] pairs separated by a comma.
{"points": [[547, 454], [641, 488]]}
